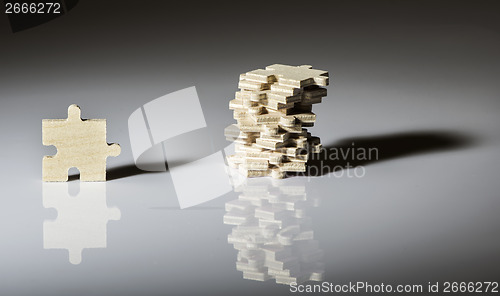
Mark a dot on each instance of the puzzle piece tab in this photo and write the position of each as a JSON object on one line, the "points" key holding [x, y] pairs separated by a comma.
{"points": [[80, 143]]}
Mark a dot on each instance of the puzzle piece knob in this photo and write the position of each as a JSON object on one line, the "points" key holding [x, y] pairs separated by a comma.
{"points": [[75, 256], [114, 149], [74, 112]]}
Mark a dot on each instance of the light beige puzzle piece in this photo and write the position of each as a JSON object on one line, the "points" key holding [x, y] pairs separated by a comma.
{"points": [[284, 98], [80, 144], [250, 85], [285, 90], [255, 96], [297, 77], [275, 105]]}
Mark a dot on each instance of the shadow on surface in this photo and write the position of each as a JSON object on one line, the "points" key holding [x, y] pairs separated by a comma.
{"points": [[119, 172], [352, 152], [130, 170], [125, 171]]}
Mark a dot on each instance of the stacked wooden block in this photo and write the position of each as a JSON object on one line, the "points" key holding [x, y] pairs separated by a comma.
{"points": [[273, 109], [273, 233]]}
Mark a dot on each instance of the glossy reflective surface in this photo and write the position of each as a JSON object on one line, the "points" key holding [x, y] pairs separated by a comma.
{"points": [[418, 83], [81, 221]]}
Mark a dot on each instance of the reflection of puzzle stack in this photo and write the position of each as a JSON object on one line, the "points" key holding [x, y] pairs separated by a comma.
{"points": [[272, 108], [273, 234]]}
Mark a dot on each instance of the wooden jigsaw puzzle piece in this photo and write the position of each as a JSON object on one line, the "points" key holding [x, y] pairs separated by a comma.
{"points": [[284, 98], [255, 96], [288, 121], [306, 117], [256, 164], [297, 128], [293, 167], [80, 144], [266, 118], [270, 129], [259, 75], [246, 84], [276, 105], [313, 91], [271, 144], [299, 76], [235, 104], [254, 173], [280, 137], [248, 125], [285, 90], [310, 101]]}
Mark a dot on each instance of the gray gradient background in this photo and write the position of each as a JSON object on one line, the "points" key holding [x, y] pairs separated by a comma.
{"points": [[397, 67]]}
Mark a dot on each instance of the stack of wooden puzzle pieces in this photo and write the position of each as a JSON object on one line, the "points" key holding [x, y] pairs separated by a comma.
{"points": [[273, 109], [273, 233]]}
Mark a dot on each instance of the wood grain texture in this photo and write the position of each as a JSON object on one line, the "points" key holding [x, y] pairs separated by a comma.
{"points": [[80, 144], [272, 108]]}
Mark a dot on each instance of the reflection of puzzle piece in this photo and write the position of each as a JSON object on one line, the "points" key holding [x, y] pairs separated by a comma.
{"points": [[80, 143], [296, 77], [81, 220]]}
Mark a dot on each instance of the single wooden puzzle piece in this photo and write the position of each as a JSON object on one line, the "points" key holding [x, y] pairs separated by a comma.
{"points": [[297, 77], [80, 144]]}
